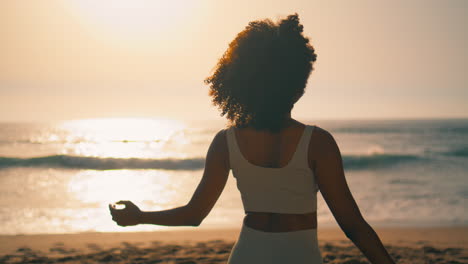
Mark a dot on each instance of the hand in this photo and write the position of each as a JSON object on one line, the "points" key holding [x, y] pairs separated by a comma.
{"points": [[128, 216]]}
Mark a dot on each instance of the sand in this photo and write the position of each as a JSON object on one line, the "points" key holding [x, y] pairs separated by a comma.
{"points": [[192, 245]]}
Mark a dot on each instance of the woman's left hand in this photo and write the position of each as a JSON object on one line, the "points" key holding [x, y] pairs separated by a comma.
{"points": [[128, 216]]}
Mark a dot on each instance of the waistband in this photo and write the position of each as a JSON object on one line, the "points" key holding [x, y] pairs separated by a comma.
{"points": [[298, 233], [275, 222]]}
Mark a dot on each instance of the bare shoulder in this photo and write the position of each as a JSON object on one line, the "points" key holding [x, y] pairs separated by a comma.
{"points": [[220, 141], [219, 148], [320, 133], [221, 135], [322, 144], [321, 138]]}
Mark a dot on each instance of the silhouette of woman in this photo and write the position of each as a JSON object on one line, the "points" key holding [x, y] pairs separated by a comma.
{"points": [[278, 162]]}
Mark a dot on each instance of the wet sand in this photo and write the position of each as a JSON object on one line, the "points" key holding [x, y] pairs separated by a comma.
{"points": [[191, 245]]}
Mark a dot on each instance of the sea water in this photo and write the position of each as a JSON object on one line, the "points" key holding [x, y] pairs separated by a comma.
{"points": [[59, 177]]}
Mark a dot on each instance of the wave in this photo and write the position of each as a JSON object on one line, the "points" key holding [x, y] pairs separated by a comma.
{"points": [[355, 162], [435, 126], [397, 130], [458, 152], [406, 181], [80, 162], [350, 162]]}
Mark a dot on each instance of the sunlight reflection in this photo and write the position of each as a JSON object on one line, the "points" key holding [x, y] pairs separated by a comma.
{"points": [[100, 188], [93, 190], [124, 137]]}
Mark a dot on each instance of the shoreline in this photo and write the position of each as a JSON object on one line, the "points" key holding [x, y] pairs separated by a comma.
{"points": [[203, 245]]}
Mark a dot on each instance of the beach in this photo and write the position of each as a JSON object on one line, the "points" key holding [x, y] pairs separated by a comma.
{"points": [[406, 245]]}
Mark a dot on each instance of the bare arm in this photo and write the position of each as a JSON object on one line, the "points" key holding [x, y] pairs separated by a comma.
{"points": [[207, 193], [334, 188]]}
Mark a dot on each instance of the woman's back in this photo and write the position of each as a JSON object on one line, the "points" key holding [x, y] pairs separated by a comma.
{"points": [[279, 194], [268, 150], [289, 188]]}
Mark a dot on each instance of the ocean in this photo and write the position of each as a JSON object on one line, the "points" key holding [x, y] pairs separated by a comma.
{"points": [[59, 177]]}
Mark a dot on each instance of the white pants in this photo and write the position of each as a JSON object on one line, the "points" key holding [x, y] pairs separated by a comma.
{"points": [[295, 247]]}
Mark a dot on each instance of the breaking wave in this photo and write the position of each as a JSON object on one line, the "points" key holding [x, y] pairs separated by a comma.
{"points": [[350, 162], [97, 163]]}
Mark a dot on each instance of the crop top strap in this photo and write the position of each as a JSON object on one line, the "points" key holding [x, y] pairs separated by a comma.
{"points": [[301, 156], [234, 152]]}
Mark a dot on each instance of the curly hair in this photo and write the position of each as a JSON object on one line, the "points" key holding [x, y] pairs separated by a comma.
{"points": [[262, 74]]}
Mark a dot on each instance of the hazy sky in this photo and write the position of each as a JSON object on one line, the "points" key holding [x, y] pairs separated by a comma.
{"points": [[89, 59]]}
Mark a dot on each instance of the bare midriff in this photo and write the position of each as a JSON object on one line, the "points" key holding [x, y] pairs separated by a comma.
{"points": [[275, 222]]}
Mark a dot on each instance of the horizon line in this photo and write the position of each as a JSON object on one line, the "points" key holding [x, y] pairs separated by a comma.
{"points": [[224, 119]]}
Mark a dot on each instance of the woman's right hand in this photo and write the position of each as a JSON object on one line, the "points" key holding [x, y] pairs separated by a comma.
{"points": [[129, 216]]}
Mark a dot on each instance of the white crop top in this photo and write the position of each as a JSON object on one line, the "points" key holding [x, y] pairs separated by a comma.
{"points": [[291, 189]]}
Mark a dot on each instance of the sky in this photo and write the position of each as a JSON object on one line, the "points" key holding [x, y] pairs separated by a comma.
{"points": [[77, 59]]}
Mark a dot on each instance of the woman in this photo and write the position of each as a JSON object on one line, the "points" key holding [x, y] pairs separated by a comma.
{"points": [[278, 162]]}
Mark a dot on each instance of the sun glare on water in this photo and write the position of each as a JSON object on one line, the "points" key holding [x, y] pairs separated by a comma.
{"points": [[124, 137]]}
